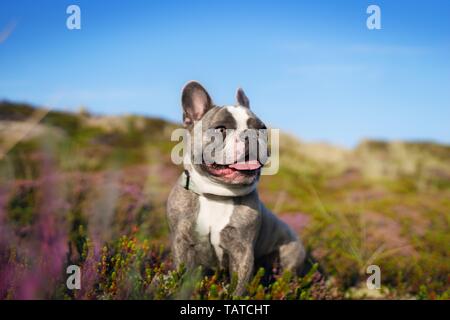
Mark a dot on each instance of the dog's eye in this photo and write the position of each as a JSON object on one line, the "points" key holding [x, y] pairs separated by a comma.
{"points": [[220, 129]]}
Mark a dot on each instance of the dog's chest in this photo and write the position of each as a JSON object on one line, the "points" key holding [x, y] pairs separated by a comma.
{"points": [[213, 216]]}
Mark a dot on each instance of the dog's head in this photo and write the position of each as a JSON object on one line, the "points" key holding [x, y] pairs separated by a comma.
{"points": [[235, 129]]}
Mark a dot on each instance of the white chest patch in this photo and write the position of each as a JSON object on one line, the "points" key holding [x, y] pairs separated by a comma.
{"points": [[213, 216]]}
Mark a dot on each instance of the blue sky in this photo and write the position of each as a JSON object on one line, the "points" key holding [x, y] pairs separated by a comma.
{"points": [[309, 67]]}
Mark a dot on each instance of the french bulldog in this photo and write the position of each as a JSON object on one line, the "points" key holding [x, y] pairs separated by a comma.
{"points": [[215, 216]]}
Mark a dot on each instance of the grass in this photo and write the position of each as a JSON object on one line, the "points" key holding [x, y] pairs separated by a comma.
{"points": [[91, 191]]}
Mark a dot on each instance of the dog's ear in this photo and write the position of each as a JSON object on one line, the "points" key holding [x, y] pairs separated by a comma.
{"points": [[196, 102], [242, 98]]}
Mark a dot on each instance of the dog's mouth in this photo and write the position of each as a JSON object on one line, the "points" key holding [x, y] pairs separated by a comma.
{"points": [[245, 168]]}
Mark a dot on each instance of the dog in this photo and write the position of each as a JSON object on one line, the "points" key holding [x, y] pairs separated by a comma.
{"points": [[215, 216]]}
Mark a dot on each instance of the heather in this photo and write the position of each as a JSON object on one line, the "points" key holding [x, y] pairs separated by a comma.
{"points": [[80, 189]]}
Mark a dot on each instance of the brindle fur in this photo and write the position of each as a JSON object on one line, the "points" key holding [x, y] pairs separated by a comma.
{"points": [[253, 237]]}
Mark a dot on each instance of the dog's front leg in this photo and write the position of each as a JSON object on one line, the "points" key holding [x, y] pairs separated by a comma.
{"points": [[238, 243], [183, 246], [241, 264]]}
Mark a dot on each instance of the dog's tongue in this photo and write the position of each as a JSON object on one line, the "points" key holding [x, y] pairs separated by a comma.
{"points": [[249, 165]]}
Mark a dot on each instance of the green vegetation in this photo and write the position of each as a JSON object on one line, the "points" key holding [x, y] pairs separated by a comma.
{"points": [[88, 190]]}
